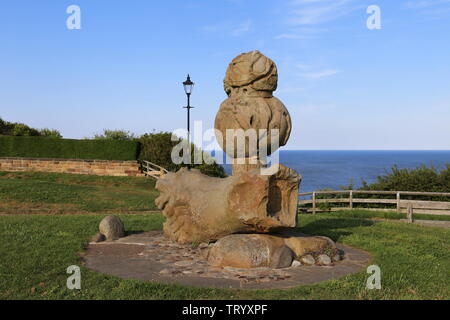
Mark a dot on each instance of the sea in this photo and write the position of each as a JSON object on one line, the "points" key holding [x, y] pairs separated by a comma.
{"points": [[333, 169]]}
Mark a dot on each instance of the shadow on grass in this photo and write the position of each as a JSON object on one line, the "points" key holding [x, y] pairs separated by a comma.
{"points": [[334, 228], [132, 232]]}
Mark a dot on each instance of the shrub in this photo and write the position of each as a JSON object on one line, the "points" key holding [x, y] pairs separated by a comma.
{"points": [[157, 148], [213, 170], [50, 133], [20, 129], [115, 135], [421, 179], [41, 147]]}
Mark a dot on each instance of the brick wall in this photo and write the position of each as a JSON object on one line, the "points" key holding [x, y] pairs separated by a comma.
{"points": [[91, 167]]}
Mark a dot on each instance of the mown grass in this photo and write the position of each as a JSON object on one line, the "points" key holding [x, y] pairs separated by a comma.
{"points": [[36, 192], [361, 213], [35, 251]]}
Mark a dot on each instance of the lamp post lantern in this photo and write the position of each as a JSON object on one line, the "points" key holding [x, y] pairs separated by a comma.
{"points": [[188, 87]]}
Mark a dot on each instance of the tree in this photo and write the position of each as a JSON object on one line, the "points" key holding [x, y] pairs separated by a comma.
{"points": [[51, 133], [157, 148], [20, 129], [5, 127], [115, 135]]}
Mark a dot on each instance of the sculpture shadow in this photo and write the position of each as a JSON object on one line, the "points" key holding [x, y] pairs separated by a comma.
{"points": [[132, 232], [334, 228]]}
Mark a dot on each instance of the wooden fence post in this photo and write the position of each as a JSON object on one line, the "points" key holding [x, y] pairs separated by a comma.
{"points": [[351, 199], [409, 214], [398, 202], [314, 203]]}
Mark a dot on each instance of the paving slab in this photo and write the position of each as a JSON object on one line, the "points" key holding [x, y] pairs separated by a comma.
{"points": [[149, 256]]}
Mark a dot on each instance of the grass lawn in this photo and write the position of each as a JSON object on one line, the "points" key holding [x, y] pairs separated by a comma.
{"points": [[37, 192], [35, 251], [361, 213]]}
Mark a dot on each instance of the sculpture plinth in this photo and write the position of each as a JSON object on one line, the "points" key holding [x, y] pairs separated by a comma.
{"points": [[199, 208]]}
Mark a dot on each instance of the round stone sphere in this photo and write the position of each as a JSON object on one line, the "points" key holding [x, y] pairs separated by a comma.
{"points": [[245, 121], [253, 72], [249, 123]]}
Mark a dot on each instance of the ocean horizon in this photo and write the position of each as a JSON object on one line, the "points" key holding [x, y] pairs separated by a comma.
{"points": [[322, 169]]}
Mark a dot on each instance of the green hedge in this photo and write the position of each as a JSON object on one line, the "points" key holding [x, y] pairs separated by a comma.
{"points": [[43, 147]]}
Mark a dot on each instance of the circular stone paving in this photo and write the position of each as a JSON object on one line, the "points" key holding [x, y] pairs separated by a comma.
{"points": [[149, 256]]}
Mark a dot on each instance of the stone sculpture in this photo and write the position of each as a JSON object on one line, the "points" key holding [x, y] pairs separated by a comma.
{"points": [[251, 251], [273, 251], [249, 83], [199, 208]]}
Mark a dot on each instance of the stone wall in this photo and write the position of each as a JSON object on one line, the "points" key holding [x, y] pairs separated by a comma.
{"points": [[75, 166]]}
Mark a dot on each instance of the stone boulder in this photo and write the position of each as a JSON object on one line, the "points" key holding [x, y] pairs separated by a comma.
{"points": [[112, 228], [250, 251], [304, 245], [308, 260], [323, 260], [199, 208], [274, 251]]}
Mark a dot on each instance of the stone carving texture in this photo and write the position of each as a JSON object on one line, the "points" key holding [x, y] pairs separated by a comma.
{"points": [[273, 251], [251, 251], [249, 83], [201, 208]]}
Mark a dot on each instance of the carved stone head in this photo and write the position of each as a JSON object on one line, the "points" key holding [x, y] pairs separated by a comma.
{"points": [[249, 83]]}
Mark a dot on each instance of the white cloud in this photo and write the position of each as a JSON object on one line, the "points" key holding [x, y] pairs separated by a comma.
{"points": [[321, 74], [301, 33], [242, 28], [290, 89], [303, 66], [425, 3], [289, 36], [431, 9], [306, 18], [229, 28], [300, 2], [315, 12]]}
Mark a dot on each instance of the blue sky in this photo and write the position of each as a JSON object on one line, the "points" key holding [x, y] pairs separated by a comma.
{"points": [[346, 87]]}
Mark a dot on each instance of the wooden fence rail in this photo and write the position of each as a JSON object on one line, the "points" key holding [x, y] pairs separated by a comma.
{"points": [[401, 205], [153, 170]]}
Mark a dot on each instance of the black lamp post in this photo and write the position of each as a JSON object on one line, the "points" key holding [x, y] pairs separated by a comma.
{"points": [[188, 87]]}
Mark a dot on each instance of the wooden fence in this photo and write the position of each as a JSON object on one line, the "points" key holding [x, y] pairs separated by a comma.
{"points": [[153, 170], [351, 197]]}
